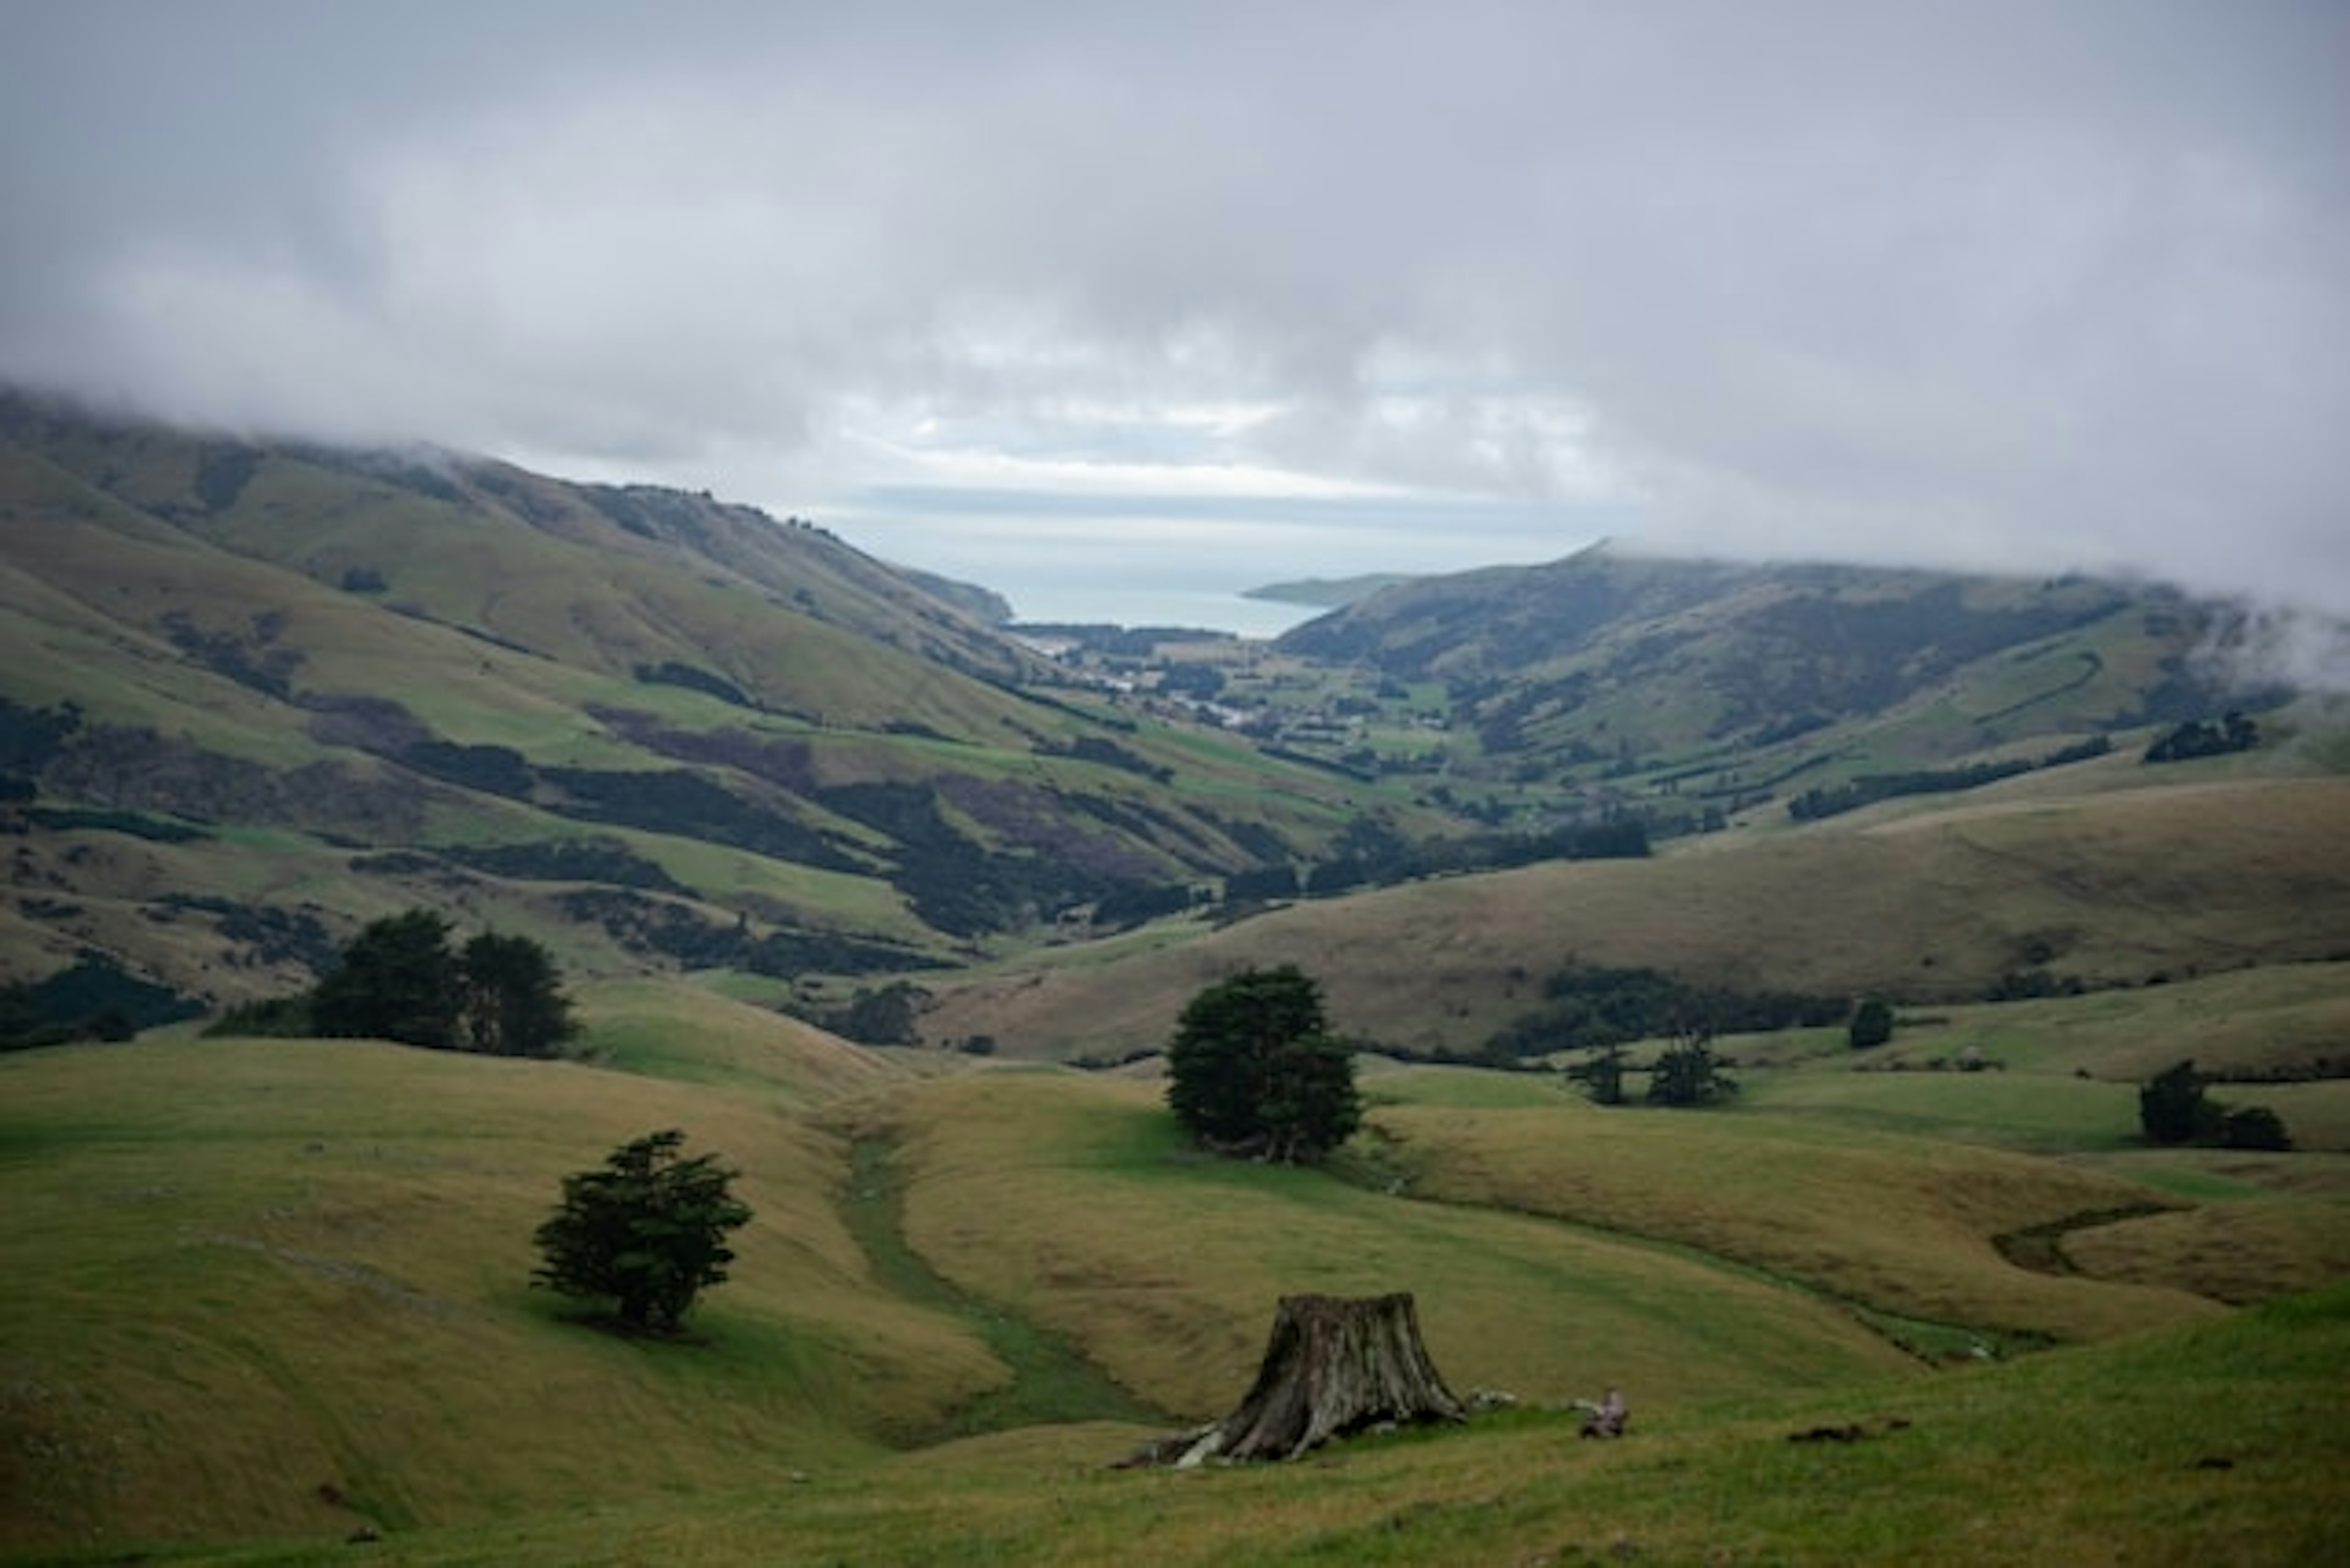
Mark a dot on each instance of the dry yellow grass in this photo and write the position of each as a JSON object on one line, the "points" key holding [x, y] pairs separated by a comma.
{"points": [[2242, 1252], [1904, 1225], [2164, 878], [1070, 1199], [281, 1287], [667, 1030]]}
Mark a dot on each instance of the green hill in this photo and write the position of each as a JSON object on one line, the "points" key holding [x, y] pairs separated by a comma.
{"points": [[2157, 881], [1710, 688], [258, 692], [1930, 1302], [276, 1291]]}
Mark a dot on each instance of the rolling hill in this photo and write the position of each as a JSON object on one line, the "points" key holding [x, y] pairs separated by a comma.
{"points": [[269, 1298], [257, 693]]}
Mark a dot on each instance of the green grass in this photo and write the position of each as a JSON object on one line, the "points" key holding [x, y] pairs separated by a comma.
{"points": [[275, 1291], [253, 1276], [1051, 1381], [1071, 1200], [2218, 1445], [2008, 1109]]}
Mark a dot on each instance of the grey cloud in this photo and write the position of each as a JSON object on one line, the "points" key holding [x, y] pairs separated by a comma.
{"points": [[1993, 284]]}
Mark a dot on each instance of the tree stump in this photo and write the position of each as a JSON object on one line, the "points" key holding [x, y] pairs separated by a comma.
{"points": [[1334, 1365]]}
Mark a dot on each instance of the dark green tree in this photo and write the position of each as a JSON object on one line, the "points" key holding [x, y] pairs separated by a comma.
{"points": [[513, 1003], [1688, 1073], [1601, 1075], [1872, 1024], [2253, 1126], [647, 1232], [2172, 1108], [1254, 1069], [397, 980], [1309, 1106]]}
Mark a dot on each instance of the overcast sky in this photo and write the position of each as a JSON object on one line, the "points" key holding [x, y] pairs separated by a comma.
{"points": [[1086, 298]]}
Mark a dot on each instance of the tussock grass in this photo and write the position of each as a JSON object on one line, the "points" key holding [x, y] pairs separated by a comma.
{"points": [[2242, 1252]]}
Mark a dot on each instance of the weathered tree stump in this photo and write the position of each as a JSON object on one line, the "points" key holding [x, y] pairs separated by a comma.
{"points": [[1334, 1365]]}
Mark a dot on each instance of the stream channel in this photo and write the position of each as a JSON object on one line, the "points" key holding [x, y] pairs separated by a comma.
{"points": [[1052, 1381]]}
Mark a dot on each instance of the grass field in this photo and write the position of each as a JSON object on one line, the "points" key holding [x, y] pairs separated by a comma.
{"points": [[2218, 1445], [266, 1286], [266, 1294]]}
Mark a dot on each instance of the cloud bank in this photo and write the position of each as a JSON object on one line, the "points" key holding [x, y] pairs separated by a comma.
{"points": [[2015, 287]]}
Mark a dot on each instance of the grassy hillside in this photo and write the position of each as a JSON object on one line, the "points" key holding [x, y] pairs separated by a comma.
{"points": [[266, 1296], [281, 1287], [276, 1290], [2218, 1445], [2165, 880], [1700, 680], [1072, 1201], [678, 731]]}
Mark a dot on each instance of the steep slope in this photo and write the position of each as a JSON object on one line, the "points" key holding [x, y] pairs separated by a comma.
{"points": [[668, 730]]}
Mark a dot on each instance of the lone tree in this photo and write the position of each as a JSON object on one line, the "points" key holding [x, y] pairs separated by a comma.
{"points": [[1601, 1075], [2172, 1107], [646, 1233], [1334, 1366], [1254, 1069], [1872, 1024]]}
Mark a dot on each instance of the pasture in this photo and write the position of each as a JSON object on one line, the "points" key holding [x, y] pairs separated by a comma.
{"points": [[270, 1294]]}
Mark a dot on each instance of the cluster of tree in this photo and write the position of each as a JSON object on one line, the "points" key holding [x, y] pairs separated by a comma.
{"points": [[90, 998], [1597, 1005], [594, 859], [955, 883], [2173, 1108], [31, 738], [1201, 683], [1134, 902], [1108, 753], [400, 978], [693, 678], [643, 924], [2200, 738], [1823, 800], [645, 1233], [884, 1015], [1686, 1073], [1372, 854], [1254, 1070]]}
